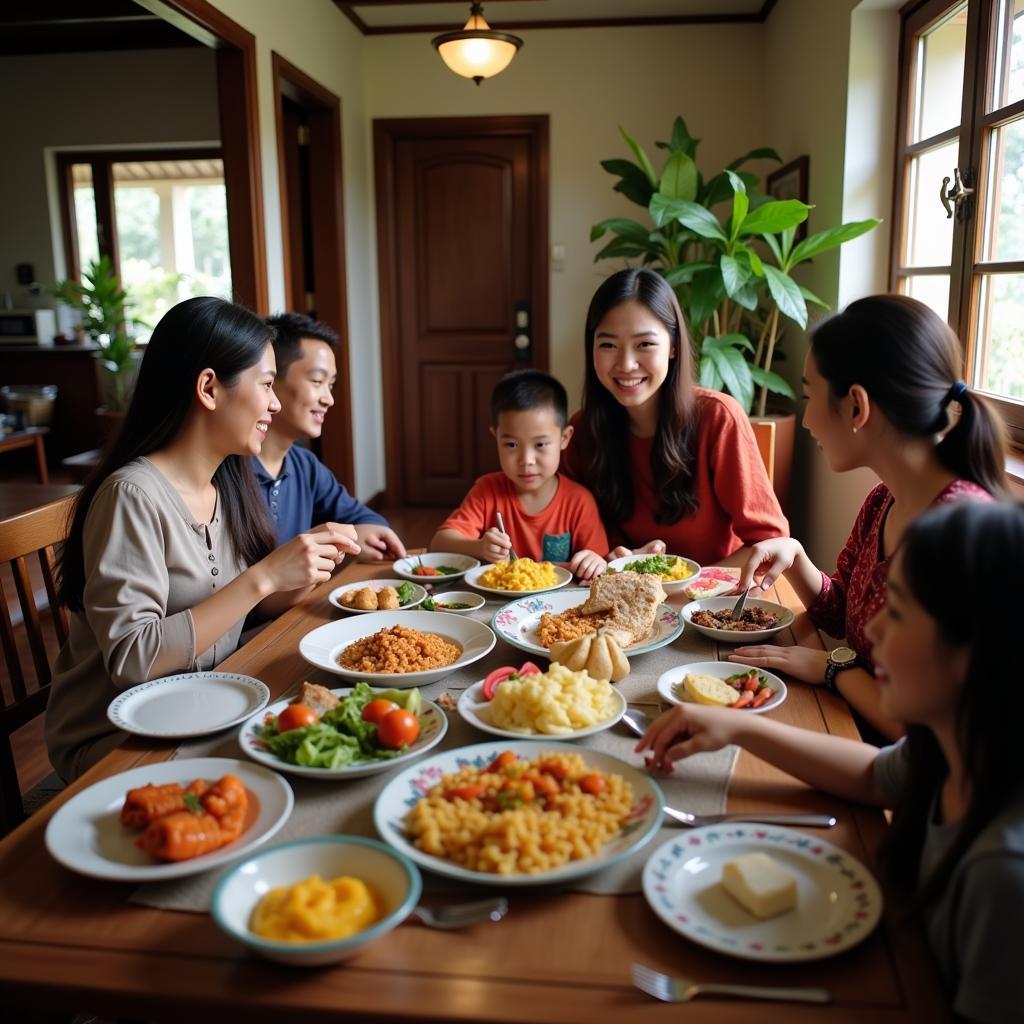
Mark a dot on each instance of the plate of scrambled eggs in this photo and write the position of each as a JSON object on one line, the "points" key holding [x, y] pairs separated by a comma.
{"points": [[523, 576]]}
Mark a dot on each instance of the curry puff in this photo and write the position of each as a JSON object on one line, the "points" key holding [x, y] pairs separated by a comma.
{"points": [[185, 822]]}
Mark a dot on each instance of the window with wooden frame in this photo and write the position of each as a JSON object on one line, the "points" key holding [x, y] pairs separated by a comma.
{"points": [[959, 198], [161, 218]]}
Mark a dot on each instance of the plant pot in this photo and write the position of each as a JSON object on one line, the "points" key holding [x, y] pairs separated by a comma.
{"points": [[109, 423], [775, 434]]}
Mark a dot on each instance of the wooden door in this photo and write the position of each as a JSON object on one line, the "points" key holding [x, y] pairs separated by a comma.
{"points": [[462, 217]]}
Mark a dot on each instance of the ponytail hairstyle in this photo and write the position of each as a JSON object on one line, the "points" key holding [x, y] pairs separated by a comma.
{"points": [[605, 423], [971, 542], [192, 336], [907, 358]]}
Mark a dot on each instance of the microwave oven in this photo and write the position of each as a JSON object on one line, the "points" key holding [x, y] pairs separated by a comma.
{"points": [[27, 326]]}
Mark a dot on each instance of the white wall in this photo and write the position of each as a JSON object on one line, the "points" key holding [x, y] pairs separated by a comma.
{"points": [[588, 81], [88, 99]]}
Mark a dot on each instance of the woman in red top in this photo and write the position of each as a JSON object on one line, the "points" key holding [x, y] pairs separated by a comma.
{"points": [[879, 380], [663, 457]]}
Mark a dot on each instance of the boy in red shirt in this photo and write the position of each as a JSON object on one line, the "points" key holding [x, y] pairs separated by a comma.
{"points": [[548, 516]]}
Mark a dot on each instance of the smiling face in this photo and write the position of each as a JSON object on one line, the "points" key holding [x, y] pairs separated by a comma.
{"points": [[305, 391], [921, 675], [829, 421], [244, 414], [632, 353], [530, 446]]}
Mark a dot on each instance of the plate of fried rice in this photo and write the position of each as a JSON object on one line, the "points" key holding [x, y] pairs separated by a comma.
{"points": [[397, 648], [518, 812]]}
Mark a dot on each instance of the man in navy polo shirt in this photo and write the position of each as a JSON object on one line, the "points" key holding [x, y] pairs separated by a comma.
{"points": [[300, 491]]}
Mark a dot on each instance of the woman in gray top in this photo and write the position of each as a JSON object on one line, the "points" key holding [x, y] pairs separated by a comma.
{"points": [[954, 781], [170, 546]]}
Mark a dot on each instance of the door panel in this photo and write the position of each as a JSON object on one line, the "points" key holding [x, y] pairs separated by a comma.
{"points": [[460, 238]]}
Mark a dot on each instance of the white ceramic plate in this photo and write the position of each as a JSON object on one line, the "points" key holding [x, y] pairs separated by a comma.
{"points": [[403, 791], [419, 594], [517, 622], [189, 704], [462, 563], [670, 682], [433, 726], [735, 636], [562, 578], [323, 646], [838, 900], [619, 564], [477, 711], [86, 834]]}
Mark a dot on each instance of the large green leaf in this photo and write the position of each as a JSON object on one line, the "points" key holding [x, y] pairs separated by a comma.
{"points": [[621, 247], [772, 381], [752, 259], [773, 243], [683, 274], [638, 151], [691, 215], [633, 184], [774, 216], [822, 241], [705, 294], [735, 373], [764, 153], [679, 177], [632, 230], [709, 375], [786, 293], [682, 139], [811, 297], [748, 294], [734, 275], [732, 340]]}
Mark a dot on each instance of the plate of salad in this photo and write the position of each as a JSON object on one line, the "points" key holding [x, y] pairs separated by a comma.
{"points": [[353, 597], [345, 733], [754, 689], [434, 567]]}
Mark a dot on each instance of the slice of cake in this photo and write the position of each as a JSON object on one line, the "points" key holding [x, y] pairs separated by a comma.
{"points": [[711, 582], [759, 885]]}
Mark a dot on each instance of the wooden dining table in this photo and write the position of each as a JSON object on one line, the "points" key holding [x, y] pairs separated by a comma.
{"points": [[71, 943]]}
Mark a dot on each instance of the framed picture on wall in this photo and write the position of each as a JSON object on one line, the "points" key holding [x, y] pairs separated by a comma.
{"points": [[790, 182]]}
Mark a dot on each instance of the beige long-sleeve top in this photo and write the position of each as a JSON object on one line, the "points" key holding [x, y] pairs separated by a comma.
{"points": [[147, 563]]}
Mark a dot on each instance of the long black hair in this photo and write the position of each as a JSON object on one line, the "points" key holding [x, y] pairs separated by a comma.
{"points": [[605, 423], [907, 358], [192, 336], [953, 559]]}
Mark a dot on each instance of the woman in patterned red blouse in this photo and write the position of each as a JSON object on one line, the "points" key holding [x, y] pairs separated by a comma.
{"points": [[883, 392]]}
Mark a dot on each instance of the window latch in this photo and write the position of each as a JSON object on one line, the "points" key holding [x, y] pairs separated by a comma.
{"points": [[956, 201]]}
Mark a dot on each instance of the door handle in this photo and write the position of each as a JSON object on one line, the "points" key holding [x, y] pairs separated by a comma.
{"points": [[522, 343], [958, 195]]}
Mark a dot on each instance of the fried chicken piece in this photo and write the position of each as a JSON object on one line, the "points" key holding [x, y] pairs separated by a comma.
{"points": [[387, 599]]}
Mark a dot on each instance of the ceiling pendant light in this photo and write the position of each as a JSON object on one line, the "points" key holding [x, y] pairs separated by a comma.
{"points": [[477, 51]]}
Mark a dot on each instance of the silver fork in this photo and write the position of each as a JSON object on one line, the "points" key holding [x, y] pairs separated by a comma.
{"points": [[678, 990], [737, 608], [512, 556]]}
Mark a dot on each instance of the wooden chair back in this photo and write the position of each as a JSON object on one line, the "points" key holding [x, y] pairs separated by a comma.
{"points": [[32, 533]]}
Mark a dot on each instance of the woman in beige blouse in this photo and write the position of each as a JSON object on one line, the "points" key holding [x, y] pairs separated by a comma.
{"points": [[170, 546]]}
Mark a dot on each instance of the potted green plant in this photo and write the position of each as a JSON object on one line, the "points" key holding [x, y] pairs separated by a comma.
{"points": [[101, 303], [732, 271]]}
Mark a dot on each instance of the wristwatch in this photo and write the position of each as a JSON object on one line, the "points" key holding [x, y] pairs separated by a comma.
{"points": [[838, 660]]}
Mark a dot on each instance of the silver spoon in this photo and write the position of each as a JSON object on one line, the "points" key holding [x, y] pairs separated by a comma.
{"points": [[462, 915], [737, 608]]}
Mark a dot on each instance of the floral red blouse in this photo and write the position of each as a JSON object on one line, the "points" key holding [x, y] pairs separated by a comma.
{"points": [[851, 597]]}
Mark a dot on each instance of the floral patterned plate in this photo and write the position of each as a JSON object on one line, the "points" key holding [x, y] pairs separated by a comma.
{"points": [[517, 621], [838, 900], [404, 790]]}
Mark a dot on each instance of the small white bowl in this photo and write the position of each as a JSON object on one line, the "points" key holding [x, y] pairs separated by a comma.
{"points": [[445, 597], [391, 874], [737, 636], [461, 563], [624, 563]]}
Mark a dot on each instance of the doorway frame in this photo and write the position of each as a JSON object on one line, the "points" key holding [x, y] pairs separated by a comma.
{"points": [[238, 105], [387, 133], [326, 159]]}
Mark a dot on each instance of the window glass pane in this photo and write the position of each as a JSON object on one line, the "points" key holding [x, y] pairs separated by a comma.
{"points": [[1003, 224], [85, 215], [1008, 70], [172, 234], [931, 289], [940, 76], [929, 230], [999, 354]]}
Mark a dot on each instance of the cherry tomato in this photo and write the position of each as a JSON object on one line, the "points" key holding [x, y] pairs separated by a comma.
{"points": [[555, 769], [377, 709], [543, 783], [503, 760], [593, 784], [426, 570], [295, 716], [470, 792], [397, 728]]}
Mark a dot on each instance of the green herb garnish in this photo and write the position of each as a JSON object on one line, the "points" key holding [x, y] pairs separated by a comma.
{"points": [[192, 803], [428, 604], [405, 593]]}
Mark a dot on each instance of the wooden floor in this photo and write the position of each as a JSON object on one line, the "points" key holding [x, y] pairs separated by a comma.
{"points": [[414, 525]]}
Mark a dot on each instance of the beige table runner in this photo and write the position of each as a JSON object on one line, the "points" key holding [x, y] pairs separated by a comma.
{"points": [[698, 785]]}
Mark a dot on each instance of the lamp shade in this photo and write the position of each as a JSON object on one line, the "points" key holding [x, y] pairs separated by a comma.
{"points": [[477, 51]]}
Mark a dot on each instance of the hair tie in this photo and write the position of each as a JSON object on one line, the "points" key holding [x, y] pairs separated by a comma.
{"points": [[956, 392]]}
